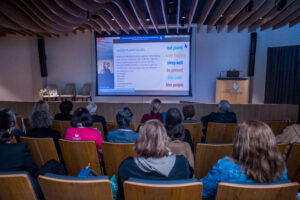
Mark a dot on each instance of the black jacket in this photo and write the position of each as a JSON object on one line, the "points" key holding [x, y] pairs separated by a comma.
{"points": [[100, 119], [17, 157], [226, 117], [63, 117]]}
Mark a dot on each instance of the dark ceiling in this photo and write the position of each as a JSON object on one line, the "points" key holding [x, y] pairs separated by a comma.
{"points": [[109, 17]]}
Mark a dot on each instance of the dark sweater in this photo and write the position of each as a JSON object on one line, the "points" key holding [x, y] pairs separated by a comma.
{"points": [[187, 138], [100, 119], [128, 169], [63, 117], [226, 117]]}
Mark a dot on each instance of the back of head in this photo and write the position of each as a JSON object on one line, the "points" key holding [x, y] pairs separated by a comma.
{"points": [[12, 117], [152, 140], [155, 106], [124, 117], [40, 119], [92, 108], [224, 106], [174, 125], [188, 111], [5, 124], [66, 107], [81, 118], [256, 150], [41, 106]]}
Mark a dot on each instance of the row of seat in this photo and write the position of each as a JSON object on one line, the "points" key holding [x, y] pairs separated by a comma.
{"points": [[56, 187], [78, 154]]}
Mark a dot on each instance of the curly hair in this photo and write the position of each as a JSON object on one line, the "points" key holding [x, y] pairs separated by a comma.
{"points": [[40, 119], [255, 149], [153, 140]]}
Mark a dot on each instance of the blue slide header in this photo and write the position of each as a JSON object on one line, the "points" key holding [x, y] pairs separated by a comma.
{"points": [[142, 38]]}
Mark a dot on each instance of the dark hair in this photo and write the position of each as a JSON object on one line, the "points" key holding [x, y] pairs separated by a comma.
{"points": [[174, 125], [66, 107], [188, 111], [5, 124], [124, 116], [81, 117]]}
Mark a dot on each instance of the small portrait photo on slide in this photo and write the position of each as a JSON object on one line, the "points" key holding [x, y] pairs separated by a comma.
{"points": [[105, 66]]}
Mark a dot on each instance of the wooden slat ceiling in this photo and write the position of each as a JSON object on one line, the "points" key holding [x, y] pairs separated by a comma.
{"points": [[52, 18]]}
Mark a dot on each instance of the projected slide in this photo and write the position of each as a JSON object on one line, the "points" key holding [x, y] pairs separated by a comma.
{"points": [[143, 65]]}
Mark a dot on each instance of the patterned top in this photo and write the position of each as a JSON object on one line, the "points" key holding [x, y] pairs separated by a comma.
{"points": [[225, 170]]}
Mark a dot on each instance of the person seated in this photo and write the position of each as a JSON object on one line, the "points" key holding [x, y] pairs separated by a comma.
{"points": [[13, 157], [174, 124], [188, 113], [223, 115], [41, 122], [154, 112], [123, 134], [41, 106], [81, 128], [92, 108], [65, 108], [289, 136], [179, 147], [155, 161], [256, 159], [15, 130]]}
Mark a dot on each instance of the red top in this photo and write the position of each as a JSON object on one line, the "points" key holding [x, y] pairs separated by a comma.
{"points": [[152, 115], [84, 134]]}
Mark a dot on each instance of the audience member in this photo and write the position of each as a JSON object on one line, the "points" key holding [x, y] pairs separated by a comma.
{"points": [[92, 107], [15, 130], [13, 157], [80, 130], [188, 113], [41, 127], [174, 125], [41, 105], [255, 158], [154, 160], [223, 115], [176, 134], [290, 135], [123, 134], [65, 108], [154, 112]]}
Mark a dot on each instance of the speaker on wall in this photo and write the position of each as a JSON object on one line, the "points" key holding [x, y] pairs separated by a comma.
{"points": [[42, 57], [252, 54]]}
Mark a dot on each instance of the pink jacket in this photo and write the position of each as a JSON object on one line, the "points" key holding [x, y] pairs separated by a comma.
{"points": [[85, 133]]}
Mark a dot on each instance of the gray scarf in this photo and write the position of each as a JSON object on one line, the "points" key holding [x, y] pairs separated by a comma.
{"points": [[162, 166]]}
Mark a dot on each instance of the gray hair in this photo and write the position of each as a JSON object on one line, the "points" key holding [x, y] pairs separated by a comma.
{"points": [[40, 119], [224, 106], [155, 105], [92, 108], [41, 106]]}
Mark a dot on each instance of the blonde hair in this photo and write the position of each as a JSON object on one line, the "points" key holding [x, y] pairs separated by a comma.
{"points": [[153, 140], [255, 149]]}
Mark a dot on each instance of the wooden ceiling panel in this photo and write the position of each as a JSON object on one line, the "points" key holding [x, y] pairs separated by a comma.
{"points": [[61, 17], [244, 14]]}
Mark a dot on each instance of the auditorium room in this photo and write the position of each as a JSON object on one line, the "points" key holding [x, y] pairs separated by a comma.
{"points": [[149, 99]]}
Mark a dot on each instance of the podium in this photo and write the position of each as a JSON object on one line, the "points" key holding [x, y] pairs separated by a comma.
{"points": [[234, 90]]}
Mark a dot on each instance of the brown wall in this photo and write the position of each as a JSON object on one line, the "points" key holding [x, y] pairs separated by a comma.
{"points": [[264, 112]]}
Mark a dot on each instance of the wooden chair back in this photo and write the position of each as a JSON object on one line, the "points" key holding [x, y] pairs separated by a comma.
{"points": [[79, 154], [42, 149], [60, 189], [207, 155], [16, 187], [282, 148], [113, 126], [229, 191], [195, 131], [277, 126], [99, 128], [27, 124], [293, 163], [220, 132], [61, 126], [13, 140], [19, 122], [114, 154], [138, 191], [56, 126]]}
